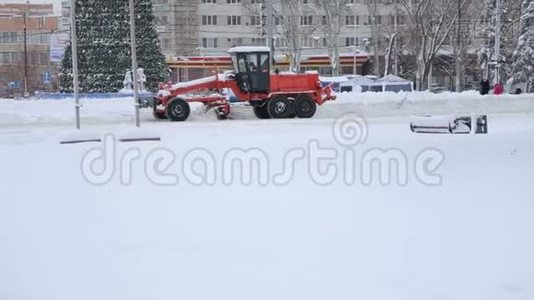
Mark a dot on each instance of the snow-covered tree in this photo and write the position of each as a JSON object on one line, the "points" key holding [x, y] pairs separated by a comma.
{"points": [[395, 36], [485, 53], [431, 23], [523, 57], [294, 30], [104, 53], [510, 20], [334, 12], [149, 54], [288, 26], [376, 37]]}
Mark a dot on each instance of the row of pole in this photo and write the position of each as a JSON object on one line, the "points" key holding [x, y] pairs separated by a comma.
{"points": [[75, 72]]}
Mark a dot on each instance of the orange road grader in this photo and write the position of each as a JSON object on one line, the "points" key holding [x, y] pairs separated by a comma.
{"points": [[274, 95]]}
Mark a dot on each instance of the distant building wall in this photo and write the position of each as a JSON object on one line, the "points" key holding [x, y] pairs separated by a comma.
{"points": [[40, 23]]}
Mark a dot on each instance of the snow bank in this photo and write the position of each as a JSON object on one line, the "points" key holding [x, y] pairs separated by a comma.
{"points": [[372, 97], [387, 104]]}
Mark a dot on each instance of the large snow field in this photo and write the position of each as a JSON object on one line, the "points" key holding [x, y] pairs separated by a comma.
{"points": [[469, 237]]}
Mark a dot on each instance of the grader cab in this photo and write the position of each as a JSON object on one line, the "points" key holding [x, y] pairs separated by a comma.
{"points": [[252, 69]]}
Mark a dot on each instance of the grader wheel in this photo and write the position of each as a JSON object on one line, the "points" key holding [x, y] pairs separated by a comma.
{"points": [[178, 110], [305, 107], [279, 107], [261, 112]]}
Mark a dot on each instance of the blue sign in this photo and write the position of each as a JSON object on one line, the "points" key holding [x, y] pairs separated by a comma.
{"points": [[47, 77], [15, 84]]}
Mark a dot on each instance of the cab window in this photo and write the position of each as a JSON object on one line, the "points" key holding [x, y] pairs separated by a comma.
{"points": [[264, 63], [242, 64]]}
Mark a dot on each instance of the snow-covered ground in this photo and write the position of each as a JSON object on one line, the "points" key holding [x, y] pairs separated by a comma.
{"points": [[455, 224]]}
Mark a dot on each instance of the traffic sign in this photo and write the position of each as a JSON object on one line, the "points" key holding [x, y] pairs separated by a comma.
{"points": [[47, 77]]}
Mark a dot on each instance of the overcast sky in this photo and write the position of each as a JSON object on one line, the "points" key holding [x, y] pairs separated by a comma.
{"points": [[57, 3]]}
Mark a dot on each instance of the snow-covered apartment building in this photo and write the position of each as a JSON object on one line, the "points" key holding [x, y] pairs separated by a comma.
{"points": [[211, 27], [208, 28]]}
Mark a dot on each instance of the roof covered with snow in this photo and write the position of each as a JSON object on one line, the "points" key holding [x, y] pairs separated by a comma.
{"points": [[358, 80], [393, 78], [336, 79], [249, 49]]}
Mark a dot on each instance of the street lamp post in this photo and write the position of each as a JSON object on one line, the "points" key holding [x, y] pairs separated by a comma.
{"points": [[354, 52], [25, 22], [134, 64], [74, 48]]}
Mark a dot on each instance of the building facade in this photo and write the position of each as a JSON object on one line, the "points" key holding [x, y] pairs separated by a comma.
{"points": [[39, 22], [208, 28], [213, 26]]}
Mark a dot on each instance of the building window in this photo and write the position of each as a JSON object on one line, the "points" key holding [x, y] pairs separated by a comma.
{"points": [[233, 1], [209, 1], [165, 43], [233, 20], [306, 20], [257, 41], [162, 20], [44, 38], [255, 21], [43, 59], [350, 20], [209, 42], [4, 37], [209, 20], [236, 41], [352, 41], [5, 58], [280, 43], [378, 20], [307, 42]]}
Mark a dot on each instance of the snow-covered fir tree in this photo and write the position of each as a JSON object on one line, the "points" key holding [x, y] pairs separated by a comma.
{"points": [[149, 54], [509, 33], [523, 59], [486, 52], [104, 53]]}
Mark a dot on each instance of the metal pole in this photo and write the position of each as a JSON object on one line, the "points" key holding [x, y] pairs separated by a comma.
{"points": [[459, 50], [497, 40], [354, 63], [430, 77], [74, 46], [395, 53], [25, 17], [270, 27], [134, 63]]}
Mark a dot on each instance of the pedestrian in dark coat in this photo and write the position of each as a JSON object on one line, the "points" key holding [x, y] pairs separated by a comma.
{"points": [[484, 87]]}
